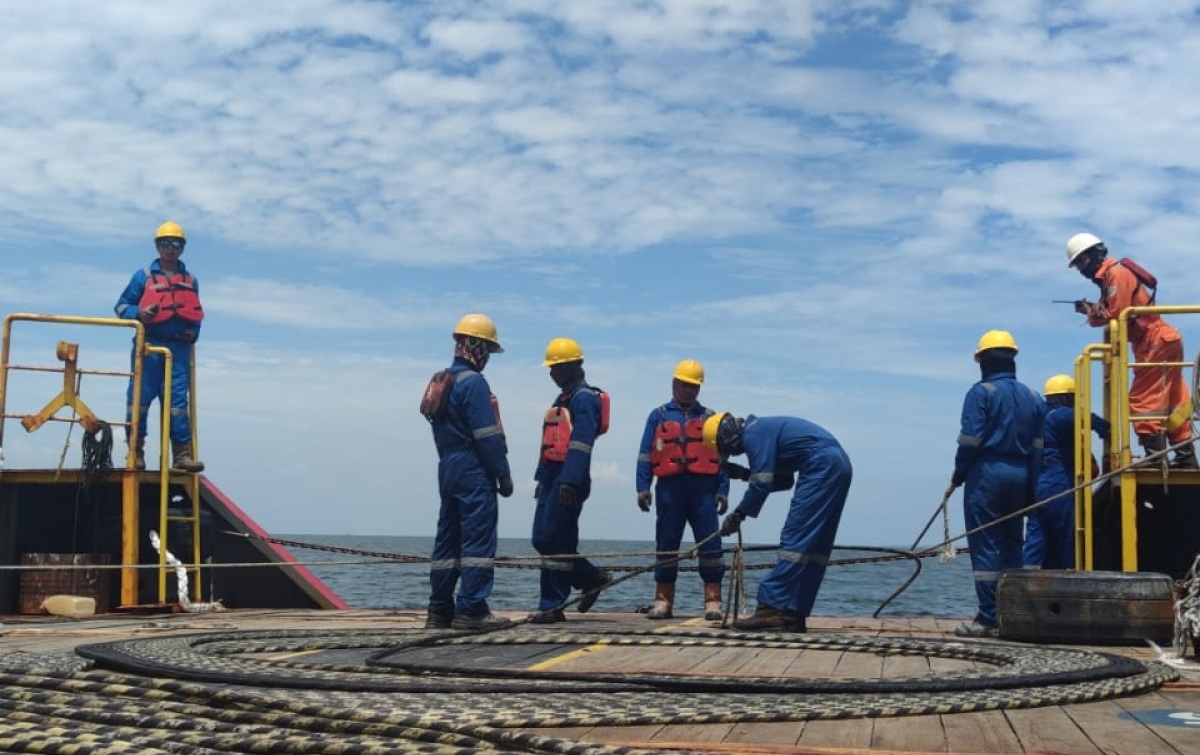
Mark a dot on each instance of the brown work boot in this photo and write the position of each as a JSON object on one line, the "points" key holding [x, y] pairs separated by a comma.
{"points": [[712, 602], [664, 601], [139, 454], [183, 458], [768, 619]]}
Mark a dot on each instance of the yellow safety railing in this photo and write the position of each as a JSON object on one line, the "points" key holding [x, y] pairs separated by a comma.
{"points": [[68, 353], [1116, 370]]}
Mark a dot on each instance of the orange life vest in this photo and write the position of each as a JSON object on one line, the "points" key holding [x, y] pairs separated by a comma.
{"points": [[676, 450], [556, 425], [175, 296]]}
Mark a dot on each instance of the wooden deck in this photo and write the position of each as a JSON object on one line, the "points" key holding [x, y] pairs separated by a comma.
{"points": [[1164, 721]]}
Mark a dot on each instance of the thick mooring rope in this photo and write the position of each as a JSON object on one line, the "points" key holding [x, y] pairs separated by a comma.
{"points": [[388, 692]]}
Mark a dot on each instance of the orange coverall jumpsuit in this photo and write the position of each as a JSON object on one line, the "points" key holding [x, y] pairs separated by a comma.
{"points": [[1155, 390]]}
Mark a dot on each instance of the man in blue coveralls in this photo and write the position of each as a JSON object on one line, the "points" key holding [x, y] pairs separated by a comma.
{"points": [[999, 455], [472, 468], [1050, 529], [691, 489], [564, 481], [165, 297], [777, 449]]}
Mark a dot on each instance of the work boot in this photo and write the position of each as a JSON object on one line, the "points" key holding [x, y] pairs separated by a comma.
{"points": [[139, 454], [1152, 444], [1185, 458], [664, 600], [438, 620], [183, 458], [551, 616], [593, 592], [768, 619], [483, 622], [712, 602]]}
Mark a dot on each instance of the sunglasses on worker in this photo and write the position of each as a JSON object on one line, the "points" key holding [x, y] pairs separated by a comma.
{"points": [[169, 243]]}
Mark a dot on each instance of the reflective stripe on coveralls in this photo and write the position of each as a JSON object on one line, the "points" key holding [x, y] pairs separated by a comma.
{"points": [[471, 459], [779, 446], [556, 527], [998, 458]]}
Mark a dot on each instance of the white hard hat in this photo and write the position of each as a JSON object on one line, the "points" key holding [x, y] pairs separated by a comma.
{"points": [[1080, 243]]}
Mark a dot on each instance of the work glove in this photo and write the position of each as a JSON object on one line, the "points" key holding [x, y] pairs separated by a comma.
{"points": [[1083, 306], [537, 491], [736, 471], [147, 314], [644, 500], [187, 336], [505, 487], [722, 503], [568, 495], [732, 523]]}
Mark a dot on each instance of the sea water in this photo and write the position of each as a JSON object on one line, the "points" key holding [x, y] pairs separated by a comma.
{"points": [[366, 574]]}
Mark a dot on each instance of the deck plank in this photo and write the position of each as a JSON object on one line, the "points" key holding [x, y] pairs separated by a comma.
{"points": [[1115, 735], [1049, 729], [1185, 738], [982, 731]]}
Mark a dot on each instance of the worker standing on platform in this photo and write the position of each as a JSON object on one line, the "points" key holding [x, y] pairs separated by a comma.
{"points": [[472, 468], [999, 455], [165, 297], [691, 490], [1050, 528], [777, 450], [564, 481], [1158, 391]]}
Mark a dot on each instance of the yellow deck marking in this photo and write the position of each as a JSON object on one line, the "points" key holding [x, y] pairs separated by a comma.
{"points": [[556, 660]]}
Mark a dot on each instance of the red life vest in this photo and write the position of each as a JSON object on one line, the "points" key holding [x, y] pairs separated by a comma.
{"points": [[676, 450], [175, 296], [437, 396], [556, 425]]}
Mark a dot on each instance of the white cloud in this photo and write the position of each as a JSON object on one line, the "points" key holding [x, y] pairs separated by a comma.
{"points": [[824, 202]]}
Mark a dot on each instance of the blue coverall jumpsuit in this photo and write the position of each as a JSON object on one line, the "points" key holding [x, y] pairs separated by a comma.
{"points": [[682, 499], [154, 366], [777, 448], [555, 526], [472, 457], [998, 458], [1050, 529]]}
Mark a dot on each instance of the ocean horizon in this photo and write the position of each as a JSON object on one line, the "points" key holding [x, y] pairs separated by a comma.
{"points": [[391, 572]]}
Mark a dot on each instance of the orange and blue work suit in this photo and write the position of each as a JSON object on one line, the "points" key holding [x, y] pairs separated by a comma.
{"points": [[689, 479], [556, 526], [472, 458], [169, 333], [1155, 390], [998, 459]]}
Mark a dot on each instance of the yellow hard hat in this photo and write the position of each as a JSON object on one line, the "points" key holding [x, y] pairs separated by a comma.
{"points": [[1058, 385], [562, 350], [169, 230], [479, 326], [995, 339], [708, 433], [1080, 243], [690, 371]]}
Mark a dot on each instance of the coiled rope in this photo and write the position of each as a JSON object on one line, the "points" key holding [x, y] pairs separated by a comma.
{"points": [[372, 691]]}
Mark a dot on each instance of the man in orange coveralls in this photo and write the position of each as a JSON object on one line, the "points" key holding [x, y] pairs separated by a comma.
{"points": [[1155, 390]]}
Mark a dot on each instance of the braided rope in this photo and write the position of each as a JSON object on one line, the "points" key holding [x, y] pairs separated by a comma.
{"points": [[221, 692]]}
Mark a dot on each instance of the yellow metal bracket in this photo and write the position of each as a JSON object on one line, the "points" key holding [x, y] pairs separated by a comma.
{"points": [[67, 353]]}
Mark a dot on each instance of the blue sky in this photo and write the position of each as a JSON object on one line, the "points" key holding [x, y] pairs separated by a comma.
{"points": [[825, 203]]}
